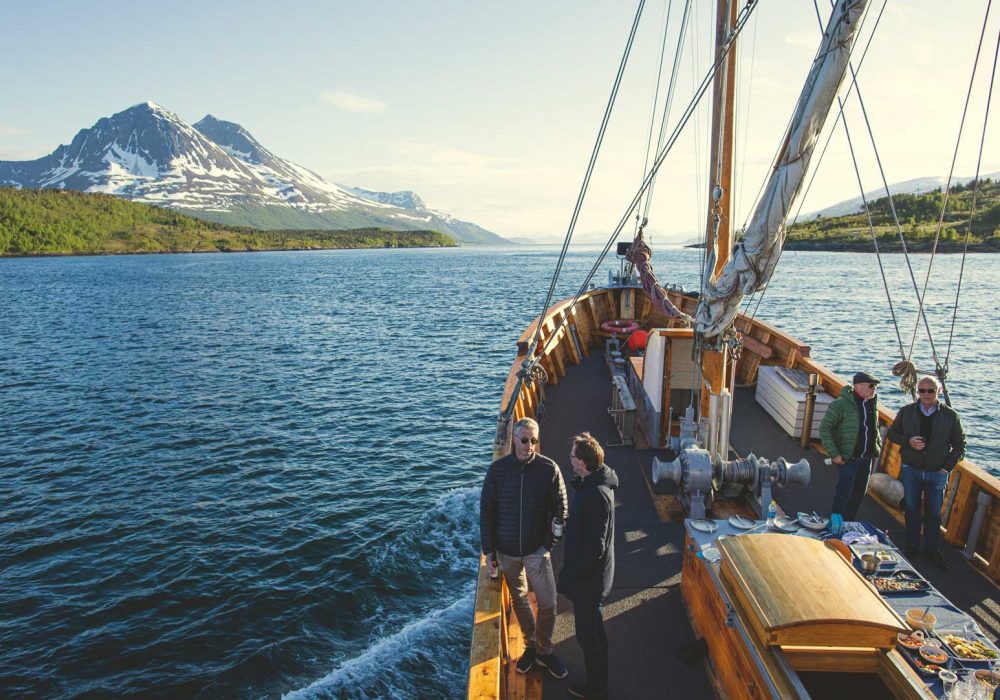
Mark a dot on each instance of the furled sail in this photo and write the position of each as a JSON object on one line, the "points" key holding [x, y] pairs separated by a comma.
{"points": [[756, 255], [639, 255]]}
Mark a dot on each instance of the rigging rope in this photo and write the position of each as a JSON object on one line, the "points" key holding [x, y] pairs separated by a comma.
{"points": [[942, 370], [656, 99], [741, 21], [528, 373], [674, 71], [975, 192]]}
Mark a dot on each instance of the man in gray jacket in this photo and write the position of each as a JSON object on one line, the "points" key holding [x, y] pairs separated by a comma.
{"points": [[522, 494], [932, 442]]}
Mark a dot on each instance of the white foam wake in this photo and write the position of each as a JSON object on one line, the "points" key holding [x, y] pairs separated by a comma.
{"points": [[383, 659]]}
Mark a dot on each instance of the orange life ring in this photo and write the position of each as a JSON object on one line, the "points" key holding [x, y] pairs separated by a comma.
{"points": [[623, 326]]}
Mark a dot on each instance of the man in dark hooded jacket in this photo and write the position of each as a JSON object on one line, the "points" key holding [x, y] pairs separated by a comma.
{"points": [[589, 558]]}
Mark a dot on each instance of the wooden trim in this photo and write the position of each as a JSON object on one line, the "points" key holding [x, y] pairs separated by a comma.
{"points": [[836, 659], [484, 657]]}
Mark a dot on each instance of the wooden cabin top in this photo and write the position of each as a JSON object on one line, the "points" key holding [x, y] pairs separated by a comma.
{"points": [[824, 603]]}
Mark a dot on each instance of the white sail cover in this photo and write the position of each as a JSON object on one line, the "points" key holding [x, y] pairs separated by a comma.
{"points": [[756, 255]]}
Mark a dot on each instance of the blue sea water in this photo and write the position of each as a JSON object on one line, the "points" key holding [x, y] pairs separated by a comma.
{"points": [[257, 475]]}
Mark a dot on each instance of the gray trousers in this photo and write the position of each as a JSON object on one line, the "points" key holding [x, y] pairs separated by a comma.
{"points": [[534, 569]]}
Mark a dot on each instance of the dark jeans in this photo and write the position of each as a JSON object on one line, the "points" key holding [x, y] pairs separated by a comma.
{"points": [[593, 640], [927, 486], [852, 482]]}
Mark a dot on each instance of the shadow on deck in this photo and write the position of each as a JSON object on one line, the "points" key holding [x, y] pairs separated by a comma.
{"points": [[645, 617]]}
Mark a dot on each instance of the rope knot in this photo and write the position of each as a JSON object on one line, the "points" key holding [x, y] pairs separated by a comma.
{"points": [[907, 373]]}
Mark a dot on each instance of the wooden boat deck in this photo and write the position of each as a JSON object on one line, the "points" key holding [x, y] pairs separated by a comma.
{"points": [[645, 616]]}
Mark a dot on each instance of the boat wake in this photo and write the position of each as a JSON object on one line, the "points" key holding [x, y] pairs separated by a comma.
{"points": [[419, 649]]}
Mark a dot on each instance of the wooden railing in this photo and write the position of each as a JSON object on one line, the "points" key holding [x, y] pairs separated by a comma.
{"points": [[495, 634], [495, 638]]}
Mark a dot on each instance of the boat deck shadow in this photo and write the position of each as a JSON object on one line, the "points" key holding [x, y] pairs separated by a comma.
{"points": [[644, 615], [648, 629]]}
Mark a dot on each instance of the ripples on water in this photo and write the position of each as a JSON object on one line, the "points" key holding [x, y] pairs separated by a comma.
{"points": [[256, 475]]}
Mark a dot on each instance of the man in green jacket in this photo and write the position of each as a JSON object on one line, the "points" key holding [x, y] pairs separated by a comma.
{"points": [[932, 442], [850, 435]]}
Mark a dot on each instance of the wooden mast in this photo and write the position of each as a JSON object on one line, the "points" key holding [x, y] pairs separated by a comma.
{"points": [[723, 126], [715, 366]]}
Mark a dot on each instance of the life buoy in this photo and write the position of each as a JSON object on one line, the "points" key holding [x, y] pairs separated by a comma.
{"points": [[622, 325]]}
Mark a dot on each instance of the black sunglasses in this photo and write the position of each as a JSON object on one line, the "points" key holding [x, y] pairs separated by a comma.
{"points": [[525, 441], [926, 391]]}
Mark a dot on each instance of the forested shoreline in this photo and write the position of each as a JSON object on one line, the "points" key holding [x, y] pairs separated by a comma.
{"points": [[63, 222]]}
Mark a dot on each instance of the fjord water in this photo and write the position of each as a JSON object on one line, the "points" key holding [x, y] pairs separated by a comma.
{"points": [[253, 475]]}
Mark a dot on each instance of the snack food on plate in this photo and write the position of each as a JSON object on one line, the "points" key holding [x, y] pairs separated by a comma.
{"points": [[969, 648], [913, 640]]}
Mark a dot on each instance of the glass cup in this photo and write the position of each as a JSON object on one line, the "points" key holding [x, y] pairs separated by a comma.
{"points": [[948, 680]]}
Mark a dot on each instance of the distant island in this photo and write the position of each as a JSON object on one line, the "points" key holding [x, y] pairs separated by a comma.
{"points": [[918, 215], [66, 222]]}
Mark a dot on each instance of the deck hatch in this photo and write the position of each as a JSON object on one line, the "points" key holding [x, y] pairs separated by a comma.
{"points": [[797, 592]]}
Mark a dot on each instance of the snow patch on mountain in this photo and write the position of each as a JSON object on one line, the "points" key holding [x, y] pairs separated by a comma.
{"points": [[148, 154]]}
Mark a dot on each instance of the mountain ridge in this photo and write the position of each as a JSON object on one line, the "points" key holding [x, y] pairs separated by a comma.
{"points": [[215, 170]]}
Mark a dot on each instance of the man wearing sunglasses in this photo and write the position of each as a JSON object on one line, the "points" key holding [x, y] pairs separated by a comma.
{"points": [[522, 494], [931, 442], [850, 436]]}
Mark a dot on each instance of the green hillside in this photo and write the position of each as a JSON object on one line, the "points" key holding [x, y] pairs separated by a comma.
{"points": [[918, 216], [62, 222]]}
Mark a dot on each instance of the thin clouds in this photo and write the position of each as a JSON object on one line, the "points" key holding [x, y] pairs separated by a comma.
{"points": [[9, 130], [349, 102]]}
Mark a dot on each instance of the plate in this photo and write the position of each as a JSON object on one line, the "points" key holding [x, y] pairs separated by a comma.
{"points": [[711, 554], [812, 521], [805, 532], [785, 524], [898, 584], [912, 641], [741, 522], [934, 655], [975, 650], [926, 668], [704, 525]]}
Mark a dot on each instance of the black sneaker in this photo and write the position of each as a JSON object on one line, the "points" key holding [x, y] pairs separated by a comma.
{"points": [[935, 558], [527, 660], [555, 666]]}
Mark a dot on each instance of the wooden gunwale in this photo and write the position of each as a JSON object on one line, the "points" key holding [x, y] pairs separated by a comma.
{"points": [[967, 481]]}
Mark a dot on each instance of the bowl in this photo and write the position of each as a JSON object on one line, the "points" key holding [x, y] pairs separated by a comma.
{"points": [[917, 619], [934, 655], [869, 562], [991, 679]]}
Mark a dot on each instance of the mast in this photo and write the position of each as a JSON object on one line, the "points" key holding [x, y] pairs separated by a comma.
{"points": [[718, 236], [720, 178]]}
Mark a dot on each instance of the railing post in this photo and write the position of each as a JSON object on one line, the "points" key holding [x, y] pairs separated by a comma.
{"points": [[982, 503]]}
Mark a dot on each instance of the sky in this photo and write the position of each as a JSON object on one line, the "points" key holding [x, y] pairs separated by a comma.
{"points": [[489, 111]]}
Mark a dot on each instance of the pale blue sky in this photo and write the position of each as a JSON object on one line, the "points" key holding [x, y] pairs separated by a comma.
{"points": [[487, 111]]}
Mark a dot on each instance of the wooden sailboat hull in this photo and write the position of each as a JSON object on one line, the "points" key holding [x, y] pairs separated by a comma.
{"points": [[575, 331]]}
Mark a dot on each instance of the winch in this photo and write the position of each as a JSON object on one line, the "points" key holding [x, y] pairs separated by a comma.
{"points": [[700, 474]]}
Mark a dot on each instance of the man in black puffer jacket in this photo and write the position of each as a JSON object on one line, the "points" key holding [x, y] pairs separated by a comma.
{"points": [[589, 559], [522, 494], [931, 443]]}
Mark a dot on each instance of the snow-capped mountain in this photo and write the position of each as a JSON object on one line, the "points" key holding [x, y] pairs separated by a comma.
{"points": [[216, 170], [437, 220]]}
